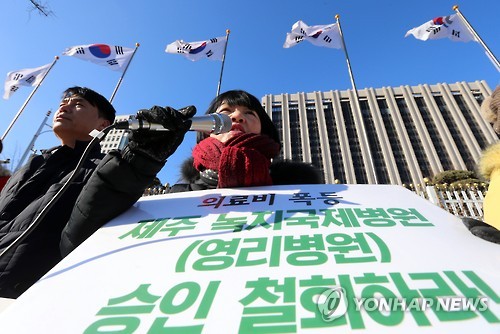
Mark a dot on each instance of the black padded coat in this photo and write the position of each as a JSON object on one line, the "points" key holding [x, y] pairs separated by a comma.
{"points": [[74, 217]]}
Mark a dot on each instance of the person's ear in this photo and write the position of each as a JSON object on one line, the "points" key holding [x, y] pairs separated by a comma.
{"points": [[102, 123]]}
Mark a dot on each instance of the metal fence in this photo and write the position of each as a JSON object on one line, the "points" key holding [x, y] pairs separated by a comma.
{"points": [[462, 200], [158, 190]]}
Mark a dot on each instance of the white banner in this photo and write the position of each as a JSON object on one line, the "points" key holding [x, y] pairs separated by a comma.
{"points": [[309, 258]]}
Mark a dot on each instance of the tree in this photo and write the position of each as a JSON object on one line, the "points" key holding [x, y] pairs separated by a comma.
{"points": [[155, 183], [454, 177]]}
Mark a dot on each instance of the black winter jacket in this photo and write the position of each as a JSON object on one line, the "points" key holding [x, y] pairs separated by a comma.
{"points": [[282, 172], [116, 185], [21, 200], [92, 200]]}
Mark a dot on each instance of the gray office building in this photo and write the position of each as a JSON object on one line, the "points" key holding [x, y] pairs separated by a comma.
{"points": [[394, 135], [115, 139]]}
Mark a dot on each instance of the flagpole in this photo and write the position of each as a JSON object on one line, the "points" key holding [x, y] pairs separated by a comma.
{"points": [[32, 143], [123, 74], [223, 61], [471, 29], [358, 106], [28, 99]]}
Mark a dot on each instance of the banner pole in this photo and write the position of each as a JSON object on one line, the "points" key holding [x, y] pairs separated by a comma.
{"points": [[32, 142], [223, 61], [490, 54], [123, 74], [28, 99], [369, 161]]}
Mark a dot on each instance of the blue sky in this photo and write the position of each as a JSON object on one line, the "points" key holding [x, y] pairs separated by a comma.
{"points": [[255, 60]]}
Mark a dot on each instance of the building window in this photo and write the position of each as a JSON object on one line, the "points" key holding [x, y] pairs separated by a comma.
{"points": [[455, 133], [315, 145], [479, 97], [431, 128], [295, 142], [474, 127], [415, 141], [352, 134], [333, 140], [277, 120], [397, 149], [374, 144]]}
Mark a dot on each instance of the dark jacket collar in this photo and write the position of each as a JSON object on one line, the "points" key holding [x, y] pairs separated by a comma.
{"points": [[79, 148], [282, 172]]}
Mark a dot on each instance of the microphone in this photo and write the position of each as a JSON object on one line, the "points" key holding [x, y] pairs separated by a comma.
{"points": [[212, 123]]}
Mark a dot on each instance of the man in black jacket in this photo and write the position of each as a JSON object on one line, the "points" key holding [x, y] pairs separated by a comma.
{"points": [[29, 190]]}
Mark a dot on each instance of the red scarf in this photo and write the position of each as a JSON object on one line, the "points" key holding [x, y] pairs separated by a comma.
{"points": [[243, 161]]}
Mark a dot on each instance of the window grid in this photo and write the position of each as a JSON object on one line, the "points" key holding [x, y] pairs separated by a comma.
{"points": [[374, 144], [397, 150], [314, 142], [436, 139], [295, 142], [415, 141], [333, 140], [455, 134], [475, 129], [357, 157]]}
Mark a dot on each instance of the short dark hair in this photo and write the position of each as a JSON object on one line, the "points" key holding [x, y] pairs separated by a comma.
{"points": [[245, 99], [106, 110]]}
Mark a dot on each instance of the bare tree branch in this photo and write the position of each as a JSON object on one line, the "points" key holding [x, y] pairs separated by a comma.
{"points": [[42, 8]]}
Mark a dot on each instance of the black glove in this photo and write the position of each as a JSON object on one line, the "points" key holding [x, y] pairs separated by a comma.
{"points": [[482, 230], [159, 145]]}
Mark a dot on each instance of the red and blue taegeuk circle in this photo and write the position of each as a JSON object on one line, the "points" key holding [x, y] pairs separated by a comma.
{"points": [[100, 50], [198, 49]]}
